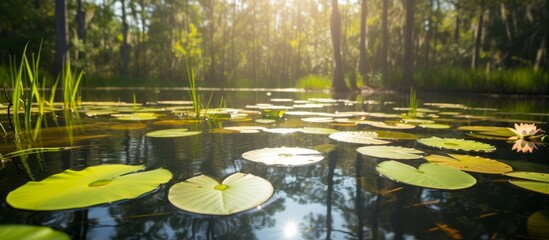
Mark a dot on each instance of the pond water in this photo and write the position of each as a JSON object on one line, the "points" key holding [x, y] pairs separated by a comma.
{"points": [[340, 197]]}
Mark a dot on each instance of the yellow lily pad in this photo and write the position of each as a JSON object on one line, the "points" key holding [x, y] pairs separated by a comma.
{"points": [[470, 163]]}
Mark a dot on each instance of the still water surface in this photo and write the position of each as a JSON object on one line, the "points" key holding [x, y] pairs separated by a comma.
{"points": [[342, 197]]}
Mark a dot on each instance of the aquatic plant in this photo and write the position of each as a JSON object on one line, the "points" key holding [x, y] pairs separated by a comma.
{"points": [[91, 186], [525, 131], [205, 195]]}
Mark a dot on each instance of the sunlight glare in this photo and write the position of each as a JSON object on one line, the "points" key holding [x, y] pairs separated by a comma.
{"points": [[290, 230]]}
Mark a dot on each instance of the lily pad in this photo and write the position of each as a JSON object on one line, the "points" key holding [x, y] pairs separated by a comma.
{"points": [[323, 131], [435, 125], [470, 163], [427, 175], [394, 135], [29, 232], [284, 156], [172, 133], [391, 152], [91, 186], [537, 225], [457, 144], [205, 195], [357, 137], [533, 181]]}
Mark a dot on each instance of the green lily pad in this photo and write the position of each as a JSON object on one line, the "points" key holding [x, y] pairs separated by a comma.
{"points": [[245, 129], [357, 137], [205, 195], [470, 163], [284, 156], [91, 186], [391, 152], [172, 133], [29, 232], [533, 181], [457, 144], [427, 175]]}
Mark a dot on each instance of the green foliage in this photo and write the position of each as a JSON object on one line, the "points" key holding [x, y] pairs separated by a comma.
{"points": [[314, 82], [524, 81]]}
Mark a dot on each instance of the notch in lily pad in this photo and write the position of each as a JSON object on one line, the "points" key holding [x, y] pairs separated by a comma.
{"points": [[284, 156], [204, 195], [533, 181], [427, 175], [91, 186]]}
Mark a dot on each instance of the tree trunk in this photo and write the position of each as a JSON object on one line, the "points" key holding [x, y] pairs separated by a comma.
{"points": [[407, 79], [125, 49], [384, 39], [81, 28], [62, 38], [478, 40], [338, 81], [363, 58], [542, 51]]}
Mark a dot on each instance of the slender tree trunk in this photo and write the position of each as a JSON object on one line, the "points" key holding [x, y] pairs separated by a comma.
{"points": [[542, 51], [211, 29], [125, 49], [407, 79], [363, 58], [384, 39], [478, 40], [338, 81], [62, 38], [81, 28]]}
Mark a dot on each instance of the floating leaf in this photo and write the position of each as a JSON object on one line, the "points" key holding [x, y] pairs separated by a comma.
{"points": [[284, 156], [136, 116], [395, 135], [282, 130], [534, 181], [396, 125], [470, 163], [91, 186], [325, 131], [537, 225], [29, 232], [246, 129], [205, 195], [435, 126], [427, 175], [457, 144], [390, 152], [357, 137], [172, 133]]}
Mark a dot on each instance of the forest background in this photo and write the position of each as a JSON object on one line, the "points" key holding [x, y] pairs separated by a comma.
{"points": [[489, 46]]}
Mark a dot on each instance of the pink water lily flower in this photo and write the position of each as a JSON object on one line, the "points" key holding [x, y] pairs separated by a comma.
{"points": [[524, 131], [524, 146]]}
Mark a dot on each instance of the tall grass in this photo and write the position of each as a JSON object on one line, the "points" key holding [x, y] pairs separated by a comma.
{"points": [[510, 81], [314, 82]]}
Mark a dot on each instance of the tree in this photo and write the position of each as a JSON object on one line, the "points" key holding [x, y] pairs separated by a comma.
{"points": [[407, 79], [363, 59], [62, 38], [338, 80]]}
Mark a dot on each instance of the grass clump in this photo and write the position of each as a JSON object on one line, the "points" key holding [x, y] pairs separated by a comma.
{"points": [[314, 82]]}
